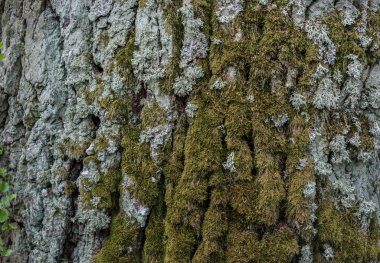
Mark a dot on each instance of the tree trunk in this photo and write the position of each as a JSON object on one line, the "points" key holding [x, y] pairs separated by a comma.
{"points": [[192, 130]]}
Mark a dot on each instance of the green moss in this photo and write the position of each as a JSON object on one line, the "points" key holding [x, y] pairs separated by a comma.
{"points": [[278, 150], [153, 115], [104, 39], [346, 126], [123, 61], [180, 243], [346, 39], [174, 27], [105, 188], [237, 121], [366, 138], [215, 225], [340, 229], [270, 193], [90, 96], [242, 194], [242, 191], [142, 3], [121, 245], [298, 207], [174, 167], [137, 161], [61, 172], [117, 109], [153, 250], [73, 150], [372, 30], [101, 143], [230, 52], [138, 164], [278, 247], [242, 243], [270, 145], [202, 158], [373, 249], [70, 188]]}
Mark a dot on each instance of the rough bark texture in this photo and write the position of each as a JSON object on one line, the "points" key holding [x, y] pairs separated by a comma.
{"points": [[192, 130]]}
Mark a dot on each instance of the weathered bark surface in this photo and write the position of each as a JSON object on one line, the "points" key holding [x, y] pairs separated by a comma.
{"points": [[192, 131]]}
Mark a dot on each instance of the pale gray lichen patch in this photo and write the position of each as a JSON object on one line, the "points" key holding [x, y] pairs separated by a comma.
{"points": [[328, 252], [93, 219], [195, 43], [156, 136], [194, 47], [327, 95], [130, 206], [231, 74], [227, 10], [349, 11], [249, 99], [100, 8], [318, 9], [371, 96], [355, 68], [309, 190], [302, 164], [191, 109], [216, 41], [229, 164], [352, 87], [310, 193], [298, 8], [297, 100], [193, 73], [338, 147], [238, 35], [306, 254], [365, 41], [318, 33], [90, 173], [183, 85], [355, 140], [290, 78], [320, 72], [218, 84], [110, 30], [365, 212], [318, 148], [279, 121], [154, 44]]}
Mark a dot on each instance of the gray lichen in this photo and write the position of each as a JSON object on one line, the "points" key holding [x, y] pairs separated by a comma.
{"points": [[229, 164], [156, 136], [194, 47], [228, 10]]}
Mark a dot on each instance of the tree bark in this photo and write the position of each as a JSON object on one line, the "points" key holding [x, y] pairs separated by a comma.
{"points": [[192, 131]]}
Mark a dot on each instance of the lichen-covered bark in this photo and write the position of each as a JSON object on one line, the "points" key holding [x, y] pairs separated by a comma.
{"points": [[192, 130]]}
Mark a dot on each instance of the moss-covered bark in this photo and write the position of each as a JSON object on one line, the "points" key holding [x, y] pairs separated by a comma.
{"points": [[236, 182], [224, 131]]}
